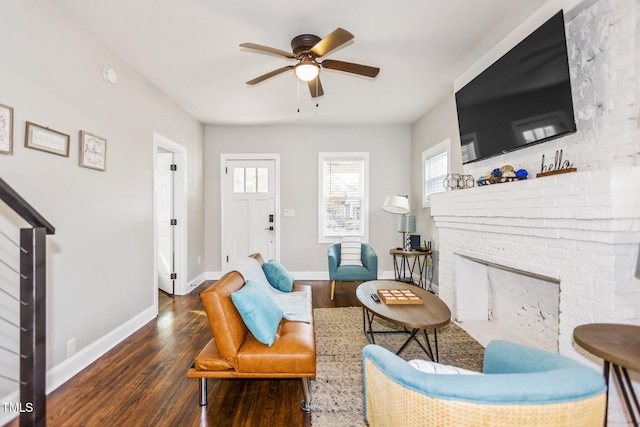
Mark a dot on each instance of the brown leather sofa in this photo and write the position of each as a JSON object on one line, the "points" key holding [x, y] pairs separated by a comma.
{"points": [[233, 352]]}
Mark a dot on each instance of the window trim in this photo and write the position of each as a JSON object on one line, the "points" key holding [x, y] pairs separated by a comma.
{"points": [[364, 211], [428, 154]]}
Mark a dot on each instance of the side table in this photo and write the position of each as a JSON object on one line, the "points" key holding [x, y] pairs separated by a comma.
{"points": [[405, 264], [619, 346]]}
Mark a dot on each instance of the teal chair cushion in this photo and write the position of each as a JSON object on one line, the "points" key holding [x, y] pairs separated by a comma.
{"points": [[513, 374], [368, 271], [352, 272]]}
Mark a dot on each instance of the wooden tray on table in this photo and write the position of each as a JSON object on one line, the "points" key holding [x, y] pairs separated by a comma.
{"points": [[399, 296]]}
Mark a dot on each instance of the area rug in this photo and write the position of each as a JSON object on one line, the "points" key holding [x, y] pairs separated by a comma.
{"points": [[337, 398]]}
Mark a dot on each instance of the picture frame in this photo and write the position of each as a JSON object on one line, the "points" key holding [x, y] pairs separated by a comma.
{"points": [[93, 151], [6, 129], [44, 139]]}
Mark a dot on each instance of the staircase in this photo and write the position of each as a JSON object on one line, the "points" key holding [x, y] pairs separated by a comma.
{"points": [[29, 320]]}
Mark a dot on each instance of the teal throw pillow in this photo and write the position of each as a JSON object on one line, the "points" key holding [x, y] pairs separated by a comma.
{"points": [[259, 311], [278, 276]]}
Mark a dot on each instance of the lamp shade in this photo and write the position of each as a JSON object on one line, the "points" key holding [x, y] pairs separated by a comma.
{"points": [[307, 70], [407, 224], [397, 205]]}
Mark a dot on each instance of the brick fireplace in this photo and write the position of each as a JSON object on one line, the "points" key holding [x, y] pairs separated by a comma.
{"points": [[580, 230]]}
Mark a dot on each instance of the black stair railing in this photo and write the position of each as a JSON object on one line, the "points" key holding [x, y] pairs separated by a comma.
{"points": [[32, 301]]}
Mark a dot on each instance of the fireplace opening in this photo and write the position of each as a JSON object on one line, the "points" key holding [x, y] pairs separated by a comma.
{"points": [[497, 302]]}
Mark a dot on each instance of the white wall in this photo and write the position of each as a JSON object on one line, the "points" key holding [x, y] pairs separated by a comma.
{"points": [[439, 124], [298, 146], [100, 261]]}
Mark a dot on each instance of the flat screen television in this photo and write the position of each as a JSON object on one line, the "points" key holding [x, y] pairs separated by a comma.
{"points": [[524, 98]]}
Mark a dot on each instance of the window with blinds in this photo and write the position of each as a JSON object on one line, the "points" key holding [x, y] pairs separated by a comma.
{"points": [[435, 164], [343, 195]]}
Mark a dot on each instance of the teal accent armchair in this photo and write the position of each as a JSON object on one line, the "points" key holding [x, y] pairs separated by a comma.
{"points": [[348, 273], [520, 386]]}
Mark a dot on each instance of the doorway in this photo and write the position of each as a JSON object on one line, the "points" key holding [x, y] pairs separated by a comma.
{"points": [[164, 220], [250, 206], [170, 221]]}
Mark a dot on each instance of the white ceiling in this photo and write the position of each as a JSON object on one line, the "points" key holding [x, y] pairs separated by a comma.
{"points": [[189, 49]]}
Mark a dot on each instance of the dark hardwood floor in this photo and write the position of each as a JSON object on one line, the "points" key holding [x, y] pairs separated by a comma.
{"points": [[142, 381]]}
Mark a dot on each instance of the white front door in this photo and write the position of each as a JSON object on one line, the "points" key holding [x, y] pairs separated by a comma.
{"points": [[164, 212], [249, 209]]}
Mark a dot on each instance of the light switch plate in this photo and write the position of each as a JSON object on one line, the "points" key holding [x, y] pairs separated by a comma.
{"points": [[289, 212]]}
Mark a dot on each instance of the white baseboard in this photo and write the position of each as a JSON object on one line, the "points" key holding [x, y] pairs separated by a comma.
{"points": [[298, 275], [386, 275], [310, 275], [213, 275], [301, 275], [194, 283], [324, 275], [64, 371]]}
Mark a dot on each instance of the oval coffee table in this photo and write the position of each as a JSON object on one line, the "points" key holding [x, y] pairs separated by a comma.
{"points": [[433, 313]]}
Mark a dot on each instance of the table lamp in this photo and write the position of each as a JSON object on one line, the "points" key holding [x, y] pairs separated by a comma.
{"points": [[399, 204], [407, 225]]}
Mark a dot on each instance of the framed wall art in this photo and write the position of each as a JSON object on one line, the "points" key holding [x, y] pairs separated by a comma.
{"points": [[93, 151], [45, 139], [6, 129]]}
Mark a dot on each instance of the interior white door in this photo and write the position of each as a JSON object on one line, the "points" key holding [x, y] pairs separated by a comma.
{"points": [[249, 209], [165, 230]]}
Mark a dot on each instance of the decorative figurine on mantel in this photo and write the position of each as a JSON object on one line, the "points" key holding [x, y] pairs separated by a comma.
{"points": [[456, 181], [506, 173]]}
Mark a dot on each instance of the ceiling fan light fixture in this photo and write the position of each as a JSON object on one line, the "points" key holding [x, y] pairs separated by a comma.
{"points": [[306, 49], [307, 70]]}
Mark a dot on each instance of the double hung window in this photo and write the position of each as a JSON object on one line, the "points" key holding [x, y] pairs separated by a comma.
{"points": [[343, 196], [436, 163]]}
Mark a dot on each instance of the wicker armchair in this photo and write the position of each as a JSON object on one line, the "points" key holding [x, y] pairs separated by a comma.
{"points": [[521, 386]]}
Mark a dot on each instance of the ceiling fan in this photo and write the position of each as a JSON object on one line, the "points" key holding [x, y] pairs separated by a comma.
{"points": [[306, 49]]}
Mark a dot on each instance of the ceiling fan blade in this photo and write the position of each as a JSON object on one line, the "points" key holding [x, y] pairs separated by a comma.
{"points": [[267, 49], [270, 74], [332, 42], [316, 90], [348, 67]]}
